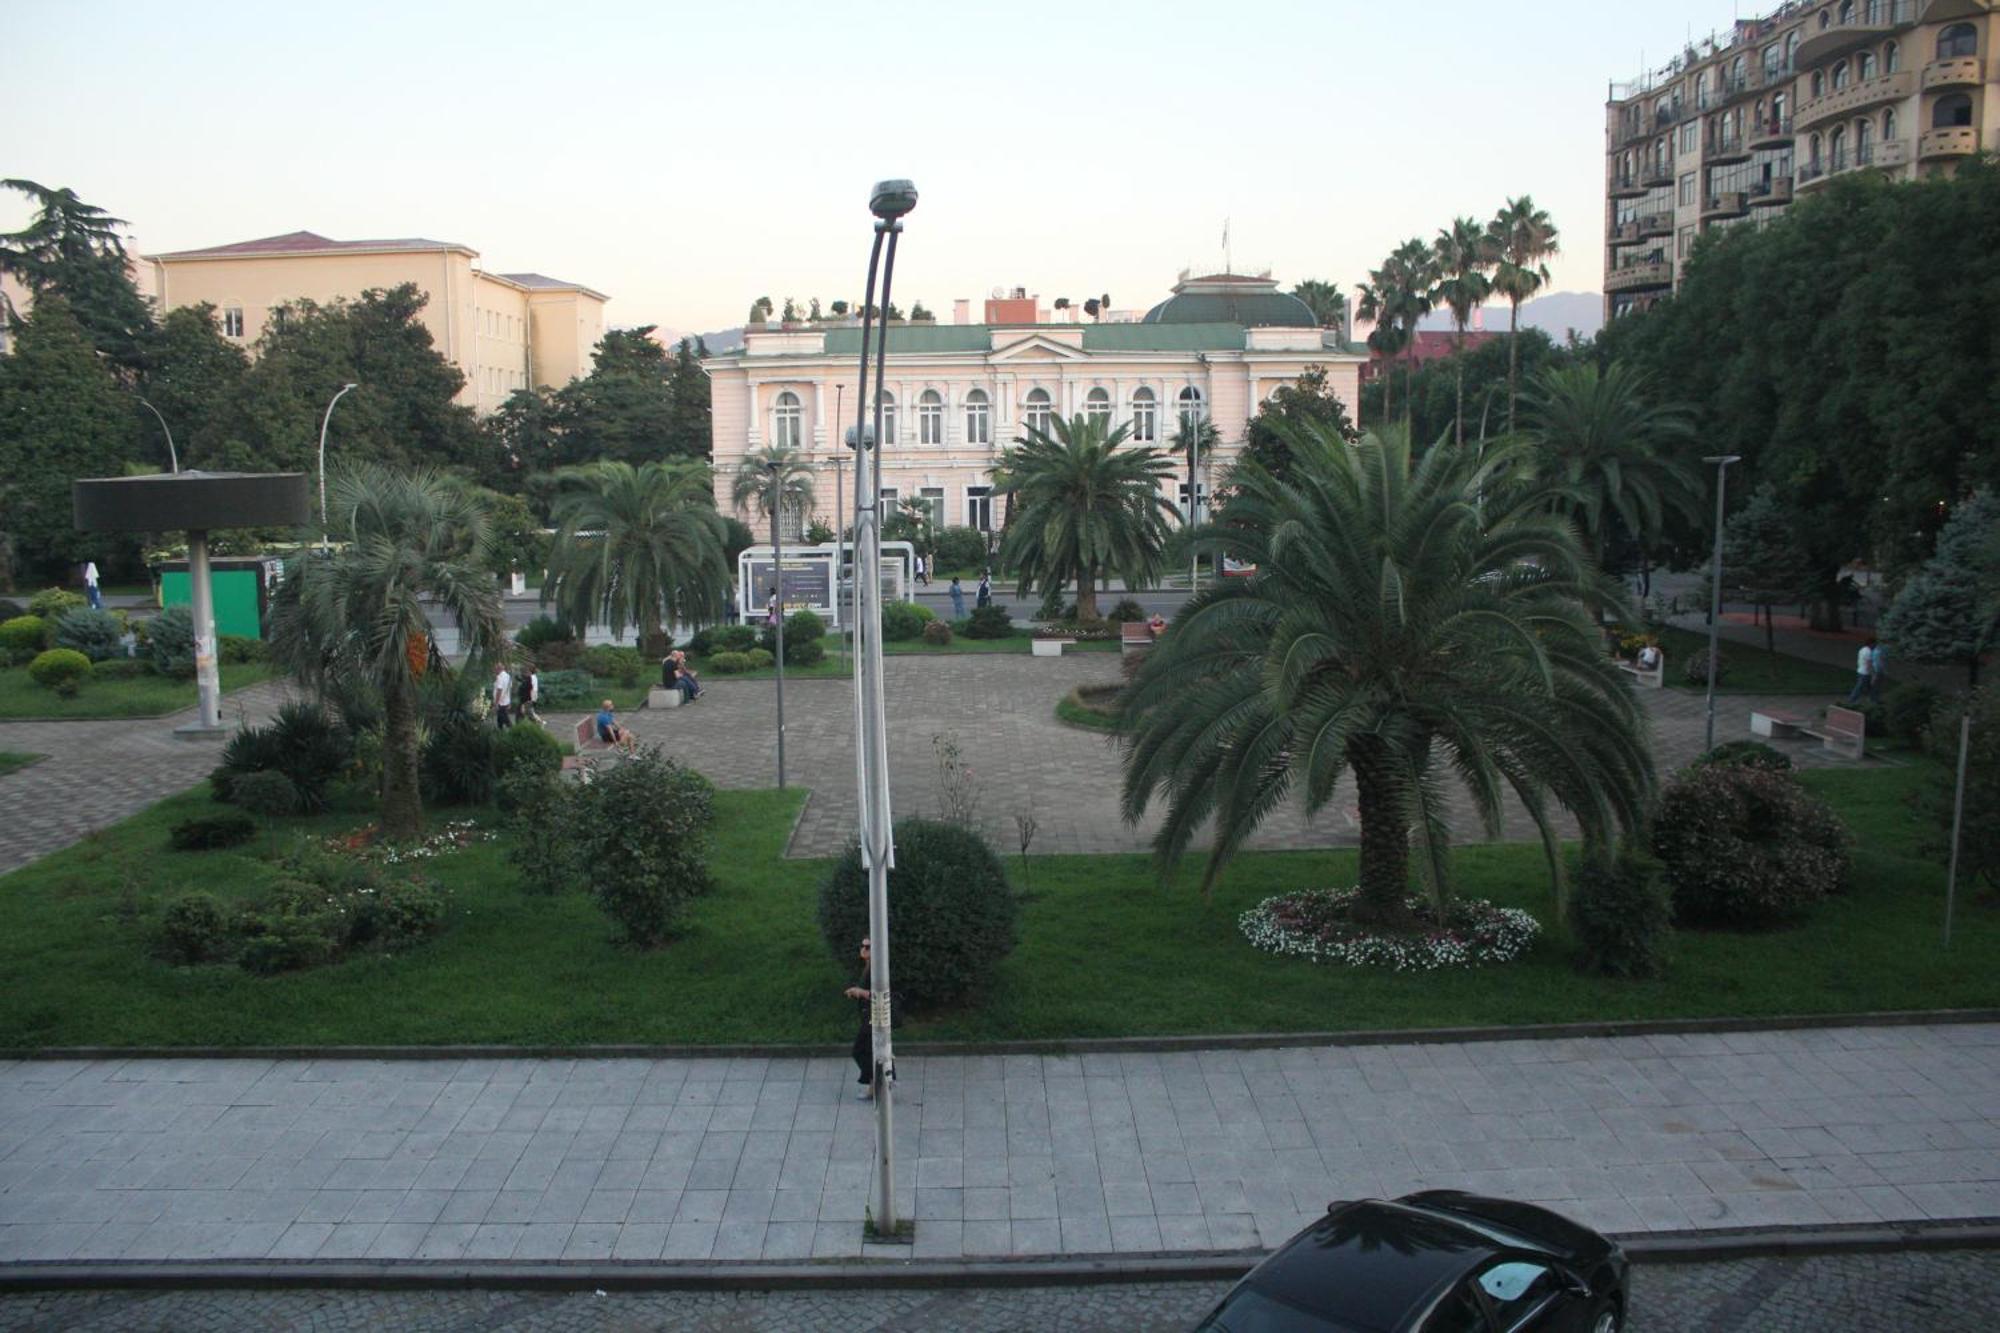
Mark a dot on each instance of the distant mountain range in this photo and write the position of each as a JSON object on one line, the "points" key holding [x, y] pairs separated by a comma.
{"points": [[1555, 314]]}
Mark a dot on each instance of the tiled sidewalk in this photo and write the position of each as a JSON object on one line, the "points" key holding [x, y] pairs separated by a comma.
{"points": [[739, 1159]]}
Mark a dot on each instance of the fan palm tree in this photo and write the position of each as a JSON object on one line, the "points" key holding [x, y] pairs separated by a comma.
{"points": [[1397, 296], [1520, 238], [1607, 449], [1463, 259], [1323, 298], [1393, 632], [773, 480], [637, 545], [1086, 505], [361, 616], [1384, 340]]}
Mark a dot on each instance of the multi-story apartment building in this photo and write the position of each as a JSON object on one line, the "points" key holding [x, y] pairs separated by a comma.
{"points": [[1730, 132], [956, 394], [504, 331]]}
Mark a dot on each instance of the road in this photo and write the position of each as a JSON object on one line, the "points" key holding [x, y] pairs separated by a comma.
{"points": [[1939, 1292]]}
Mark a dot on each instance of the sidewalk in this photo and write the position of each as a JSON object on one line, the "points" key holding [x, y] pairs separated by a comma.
{"points": [[1130, 1153]]}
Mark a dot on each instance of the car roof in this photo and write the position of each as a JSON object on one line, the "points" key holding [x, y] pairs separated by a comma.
{"points": [[1368, 1265]]}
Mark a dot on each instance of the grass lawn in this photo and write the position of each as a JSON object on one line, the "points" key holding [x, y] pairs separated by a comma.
{"points": [[1105, 951], [1749, 669], [1072, 708], [142, 696], [11, 760]]}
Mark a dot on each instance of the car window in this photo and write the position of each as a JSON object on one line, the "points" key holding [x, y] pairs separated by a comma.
{"points": [[1515, 1288], [1457, 1313]]}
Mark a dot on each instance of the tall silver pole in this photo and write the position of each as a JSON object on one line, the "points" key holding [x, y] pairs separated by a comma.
{"points": [[174, 458], [1722, 462], [323, 423], [778, 603], [208, 681], [839, 529], [1957, 822]]}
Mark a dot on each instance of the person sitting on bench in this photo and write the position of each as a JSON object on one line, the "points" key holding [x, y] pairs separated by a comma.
{"points": [[680, 676], [1158, 624], [1649, 657], [609, 732]]}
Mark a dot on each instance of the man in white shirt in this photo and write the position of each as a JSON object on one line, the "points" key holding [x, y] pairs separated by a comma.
{"points": [[503, 695], [1867, 673], [90, 588]]}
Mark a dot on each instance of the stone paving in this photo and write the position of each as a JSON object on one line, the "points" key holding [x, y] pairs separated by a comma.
{"points": [[1002, 709], [1130, 1153]]}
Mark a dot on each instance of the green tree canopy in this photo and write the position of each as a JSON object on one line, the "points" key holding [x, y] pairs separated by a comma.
{"points": [[1948, 612], [637, 546], [1324, 299], [194, 376], [1761, 558], [72, 249], [1267, 444], [1463, 259]]}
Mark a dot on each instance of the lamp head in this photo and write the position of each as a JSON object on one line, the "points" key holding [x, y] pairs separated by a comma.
{"points": [[891, 199]]}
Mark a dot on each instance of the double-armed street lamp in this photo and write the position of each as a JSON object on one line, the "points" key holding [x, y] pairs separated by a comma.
{"points": [[890, 201]]}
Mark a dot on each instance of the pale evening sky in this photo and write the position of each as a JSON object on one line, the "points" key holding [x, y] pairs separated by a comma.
{"points": [[686, 158]]}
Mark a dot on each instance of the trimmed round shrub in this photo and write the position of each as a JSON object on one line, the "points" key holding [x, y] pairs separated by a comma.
{"points": [[1745, 754], [266, 792], [900, 621], [701, 643], [52, 603], [194, 929], [1908, 708], [1126, 612], [63, 670], [1695, 669], [399, 912], [229, 828], [22, 637], [937, 634], [528, 749], [639, 839], [959, 548], [1746, 847], [730, 664], [95, 634], [611, 663], [170, 638], [760, 659], [236, 649], [732, 638], [540, 632], [567, 689], [1621, 914], [952, 914], [989, 622], [803, 632]]}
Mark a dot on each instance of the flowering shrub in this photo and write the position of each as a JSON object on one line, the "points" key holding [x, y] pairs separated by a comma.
{"points": [[1316, 924]]}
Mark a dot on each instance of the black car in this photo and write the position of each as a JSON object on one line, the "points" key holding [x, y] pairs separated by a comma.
{"points": [[1436, 1262]]}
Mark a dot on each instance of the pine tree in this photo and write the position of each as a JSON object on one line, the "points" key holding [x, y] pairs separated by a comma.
{"points": [[1762, 560], [1949, 610]]}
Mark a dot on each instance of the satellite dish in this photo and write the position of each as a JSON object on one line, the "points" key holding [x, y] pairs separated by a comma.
{"points": [[999, 293]]}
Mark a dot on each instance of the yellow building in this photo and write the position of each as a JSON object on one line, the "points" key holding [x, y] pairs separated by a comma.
{"points": [[504, 331], [1732, 129]]}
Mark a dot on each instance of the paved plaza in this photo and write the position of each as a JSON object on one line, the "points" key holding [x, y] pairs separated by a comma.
{"points": [[1128, 1153]]}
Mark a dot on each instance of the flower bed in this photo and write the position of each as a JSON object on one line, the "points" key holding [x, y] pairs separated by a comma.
{"points": [[366, 843], [1314, 925]]}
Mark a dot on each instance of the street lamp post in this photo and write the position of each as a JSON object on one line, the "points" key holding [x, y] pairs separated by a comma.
{"points": [[889, 201], [323, 423], [1722, 462], [778, 606], [173, 458]]}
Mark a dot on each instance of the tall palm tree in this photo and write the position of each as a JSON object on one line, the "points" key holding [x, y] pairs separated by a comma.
{"points": [[1329, 307], [361, 616], [1607, 447], [637, 545], [1392, 632], [1086, 505], [1463, 259], [1385, 339], [1397, 296], [772, 481], [1521, 237]]}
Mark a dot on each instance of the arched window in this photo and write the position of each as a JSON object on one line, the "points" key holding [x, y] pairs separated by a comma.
{"points": [[1865, 63], [1837, 146], [1701, 91], [1040, 414], [1145, 416], [1960, 39], [888, 404], [930, 417], [1778, 111], [1190, 407], [787, 418], [1892, 58], [1097, 406], [1773, 58], [1739, 72], [978, 418], [1818, 84], [1864, 142], [1846, 12], [1951, 112], [1889, 124], [1875, 8], [1814, 154], [1839, 75], [1792, 51]]}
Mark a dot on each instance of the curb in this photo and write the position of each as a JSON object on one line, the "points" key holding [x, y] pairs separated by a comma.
{"points": [[1082, 1270], [1245, 1041]]}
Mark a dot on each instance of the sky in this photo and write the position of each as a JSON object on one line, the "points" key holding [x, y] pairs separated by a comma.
{"points": [[688, 158]]}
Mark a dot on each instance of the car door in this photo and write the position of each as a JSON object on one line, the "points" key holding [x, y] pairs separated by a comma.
{"points": [[1527, 1295]]}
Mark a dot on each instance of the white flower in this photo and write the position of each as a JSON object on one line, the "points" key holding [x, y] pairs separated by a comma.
{"points": [[1314, 925]]}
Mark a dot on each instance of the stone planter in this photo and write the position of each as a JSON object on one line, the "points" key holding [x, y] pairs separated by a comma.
{"points": [[1050, 647]]}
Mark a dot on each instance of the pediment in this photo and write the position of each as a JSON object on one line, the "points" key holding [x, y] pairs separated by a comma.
{"points": [[1035, 347]]}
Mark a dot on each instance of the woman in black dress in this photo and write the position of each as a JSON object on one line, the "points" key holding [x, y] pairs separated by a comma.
{"points": [[864, 1040]]}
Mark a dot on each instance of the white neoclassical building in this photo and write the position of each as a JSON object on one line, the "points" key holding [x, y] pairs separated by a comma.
{"points": [[956, 394]]}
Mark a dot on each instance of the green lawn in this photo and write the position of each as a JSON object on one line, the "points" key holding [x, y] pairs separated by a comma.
{"points": [[11, 760], [1105, 951], [1748, 669], [141, 696]]}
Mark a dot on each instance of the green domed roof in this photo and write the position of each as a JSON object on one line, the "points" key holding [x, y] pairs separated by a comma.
{"points": [[1253, 302]]}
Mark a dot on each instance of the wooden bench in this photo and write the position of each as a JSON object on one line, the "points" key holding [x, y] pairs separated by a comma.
{"points": [[1655, 679], [1844, 733], [1134, 637], [587, 740], [1775, 725]]}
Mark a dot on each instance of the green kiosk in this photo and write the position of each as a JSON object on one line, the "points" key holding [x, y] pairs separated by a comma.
{"points": [[243, 588]]}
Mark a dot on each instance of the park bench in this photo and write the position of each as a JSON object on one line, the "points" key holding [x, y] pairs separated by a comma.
{"points": [[664, 696], [1775, 725], [1134, 637], [1654, 679], [1049, 647], [1844, 733]]}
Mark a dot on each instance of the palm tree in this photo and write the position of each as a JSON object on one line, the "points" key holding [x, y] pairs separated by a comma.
{"points": [[361, 617], [1463, 258], [1607, 449], [636, 546], [1520, 238], [1384, 340], [1328, 306], [1086, 506], [773, 480], [1394, 632], [1397, 296]]}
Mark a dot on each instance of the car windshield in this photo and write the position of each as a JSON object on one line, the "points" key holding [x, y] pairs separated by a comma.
{"points": [[1248, 1310]]}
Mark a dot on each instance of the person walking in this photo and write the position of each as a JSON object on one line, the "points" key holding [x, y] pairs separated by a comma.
{"points": [[923, 571], [864, 1039], [91, 591], [531, 692], [771, 606], [503, 696], [1867, 673], [957, 599], [984, 595]]}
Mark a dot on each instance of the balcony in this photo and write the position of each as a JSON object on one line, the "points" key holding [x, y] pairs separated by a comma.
{"points": [[1625, 187], [1826, 36], [1857, 96], [1726, 148], [1728, 204], [1886, 156], [1656, 175], [1648, 274], [1657, 224], [1771, 132], [1954, 141], [1958, 72], [1772, 193]]}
